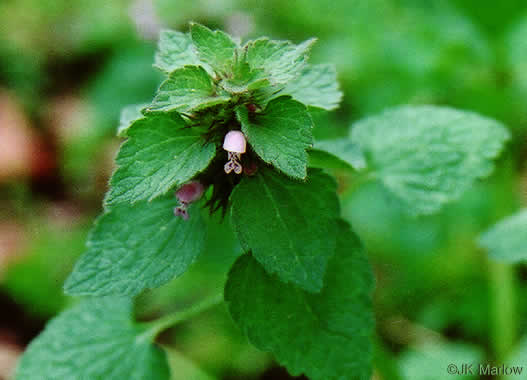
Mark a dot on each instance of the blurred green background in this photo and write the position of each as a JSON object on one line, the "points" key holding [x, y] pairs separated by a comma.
{"points": [[68, 66]]}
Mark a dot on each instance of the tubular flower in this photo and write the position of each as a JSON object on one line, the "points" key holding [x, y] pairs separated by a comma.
{"points": [[186, 194], [235, 144]]}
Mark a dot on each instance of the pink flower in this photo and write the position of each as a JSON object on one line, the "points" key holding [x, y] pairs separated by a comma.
{"points": [[186, 194], [235, 144]]}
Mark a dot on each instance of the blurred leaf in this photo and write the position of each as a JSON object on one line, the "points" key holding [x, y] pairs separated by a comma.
{"points": [[316, 86], [385, 227], [187, 89], [431, 362], [174, 51], [337, 154], [326, 336], [290, 245], [160, 153], [132, 248], [94, 340], [428, 156], [280, 134], [507, 240]]}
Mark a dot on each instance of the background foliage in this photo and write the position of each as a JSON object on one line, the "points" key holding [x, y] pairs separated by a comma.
{"points": [[65, 75]]}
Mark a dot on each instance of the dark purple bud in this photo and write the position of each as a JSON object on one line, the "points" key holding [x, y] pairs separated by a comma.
{"points": [[190, 192], [250, 169], [252, 107]]}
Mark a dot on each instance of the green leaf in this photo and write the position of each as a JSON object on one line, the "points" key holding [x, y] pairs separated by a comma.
{"points": [[507, 240], [427, 155], [298, 219], [132, 248], [316, 86], [129, 115], [174, 51], [161, 152], [187, 89], [96, 339], [282, 61], [215, 48], [244, 78], [431, 360], [336, 154], [280, 134], [326, 336]]}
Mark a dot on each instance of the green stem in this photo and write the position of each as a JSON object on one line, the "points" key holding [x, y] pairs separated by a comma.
{"points": [[163, 323], [384, 362], [503, 309]]}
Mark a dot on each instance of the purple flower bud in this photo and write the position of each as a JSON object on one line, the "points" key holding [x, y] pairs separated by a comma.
{"points": [[252, 107], [190, 192], [186, 194], [234, 142], [250, 169]]}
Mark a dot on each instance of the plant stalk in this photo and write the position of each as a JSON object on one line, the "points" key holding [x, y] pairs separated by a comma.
{"points": [[503, 309], [167, 321]]}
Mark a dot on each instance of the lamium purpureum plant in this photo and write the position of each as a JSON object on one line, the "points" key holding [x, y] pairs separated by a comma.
{"points": [[230, 131]]}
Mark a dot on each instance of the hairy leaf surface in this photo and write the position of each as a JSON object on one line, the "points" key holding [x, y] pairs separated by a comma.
{"points": [[288, 225], [280, 134], [161, 152], [137, 247], [174, 51], [95, 339], [186, 90], [215, 48], [316, 86], [326, 336], [282, 61]]}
